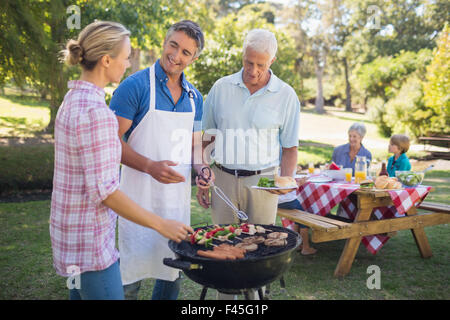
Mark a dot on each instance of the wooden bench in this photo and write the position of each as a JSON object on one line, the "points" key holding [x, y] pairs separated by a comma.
{"points": [[435, 207], [320, 226], [329, 229], [442, 141]]}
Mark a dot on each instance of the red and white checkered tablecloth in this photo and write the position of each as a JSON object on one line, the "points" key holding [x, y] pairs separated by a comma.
{"points": [[320, 198]]}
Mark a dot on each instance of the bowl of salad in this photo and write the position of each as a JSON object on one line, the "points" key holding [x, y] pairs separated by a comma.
{"points": [[409, 179]]}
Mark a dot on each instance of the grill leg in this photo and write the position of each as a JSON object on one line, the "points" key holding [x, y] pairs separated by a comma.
{"points": [[282, 283], [261, 294], [203, 294]]}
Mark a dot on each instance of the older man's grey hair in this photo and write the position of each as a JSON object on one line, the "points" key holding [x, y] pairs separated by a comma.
{"points": [[262, 41], [359, 127]]}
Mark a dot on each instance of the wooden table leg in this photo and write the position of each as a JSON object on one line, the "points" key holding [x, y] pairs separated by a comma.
{"points": [[351, 246], [420, 237]]}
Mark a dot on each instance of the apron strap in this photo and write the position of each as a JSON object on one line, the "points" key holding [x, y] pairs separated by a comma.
{"points": [[191, 92], [152, 88]]}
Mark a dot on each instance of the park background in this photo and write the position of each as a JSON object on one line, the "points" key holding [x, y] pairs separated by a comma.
{"points": [[384, 63]]}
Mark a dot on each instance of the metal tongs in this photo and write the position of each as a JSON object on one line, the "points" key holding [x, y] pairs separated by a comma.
{"points": [[205, 176]]}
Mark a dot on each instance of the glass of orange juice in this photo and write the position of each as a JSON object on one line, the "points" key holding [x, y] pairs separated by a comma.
{"points": [[311, 167], [348, 174], [360, 176]]}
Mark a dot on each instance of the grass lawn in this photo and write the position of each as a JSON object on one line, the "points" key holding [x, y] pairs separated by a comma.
{"points": [[22, 116], [27, 273]]}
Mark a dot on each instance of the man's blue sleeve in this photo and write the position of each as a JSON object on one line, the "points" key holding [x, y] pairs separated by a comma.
{"points": [[126, 99]]}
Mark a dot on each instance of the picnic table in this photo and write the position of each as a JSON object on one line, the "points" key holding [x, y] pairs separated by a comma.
{"points": [[440, 141], [370, 216]]}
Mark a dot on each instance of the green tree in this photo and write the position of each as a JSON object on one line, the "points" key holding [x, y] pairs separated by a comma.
{"points": [[436, 114], [223, 50], [397, 83], [34, 32], [31, 37]]}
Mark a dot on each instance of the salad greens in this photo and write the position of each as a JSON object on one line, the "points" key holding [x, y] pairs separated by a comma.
{"points": [[409, 178], [266, 183]]}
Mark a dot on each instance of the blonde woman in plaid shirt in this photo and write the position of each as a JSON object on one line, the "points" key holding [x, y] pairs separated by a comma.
{"points": [[86, 175]]}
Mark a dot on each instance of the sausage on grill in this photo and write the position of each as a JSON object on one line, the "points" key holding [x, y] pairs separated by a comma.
{"points": [[211, 254], [239, 253], [223, 252]]}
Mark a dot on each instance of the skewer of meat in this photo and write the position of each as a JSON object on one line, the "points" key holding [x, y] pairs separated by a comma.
{"points": [[222, 239]]}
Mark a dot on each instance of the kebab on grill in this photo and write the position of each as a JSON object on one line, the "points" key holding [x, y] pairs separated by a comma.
{"points": [[205, 237], [251, 229], [226, 233]]}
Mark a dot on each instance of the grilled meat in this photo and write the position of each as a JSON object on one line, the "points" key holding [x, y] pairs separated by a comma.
{"points": [[275, 242], [277, 235], [254, 239], [247, 246]]}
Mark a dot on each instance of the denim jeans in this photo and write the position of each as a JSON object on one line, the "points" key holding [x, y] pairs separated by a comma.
{"points": [[294, 204], [163, 290], [99, 285]]}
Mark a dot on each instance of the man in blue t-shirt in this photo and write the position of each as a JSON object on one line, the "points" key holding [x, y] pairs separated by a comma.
{"points": [[159, 114]]}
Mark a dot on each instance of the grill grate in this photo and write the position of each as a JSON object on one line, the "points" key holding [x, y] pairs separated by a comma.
{"points": [[190, 250]]}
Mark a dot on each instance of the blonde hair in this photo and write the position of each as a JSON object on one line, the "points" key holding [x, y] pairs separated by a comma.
{"points": [[401, 141], [96, 40]]}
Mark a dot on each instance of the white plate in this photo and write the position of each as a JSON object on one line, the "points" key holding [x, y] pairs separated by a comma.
{"points": [[274, 188], [335, 174], [320, 179]]}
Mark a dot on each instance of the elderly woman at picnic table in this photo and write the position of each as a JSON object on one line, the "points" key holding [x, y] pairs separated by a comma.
{"points": [[345, 155]]}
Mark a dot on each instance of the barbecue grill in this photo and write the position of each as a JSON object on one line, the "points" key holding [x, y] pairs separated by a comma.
{"points": [[257, 269]]}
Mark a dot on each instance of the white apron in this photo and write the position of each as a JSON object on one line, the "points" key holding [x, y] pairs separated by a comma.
{"points": [[161, 135]]}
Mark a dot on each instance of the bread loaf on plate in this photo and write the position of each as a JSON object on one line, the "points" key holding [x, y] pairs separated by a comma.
{"points": [[285, 182]]}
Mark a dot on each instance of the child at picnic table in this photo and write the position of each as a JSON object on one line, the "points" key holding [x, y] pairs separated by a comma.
{"points": [[86, 174], [398, 145]]}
